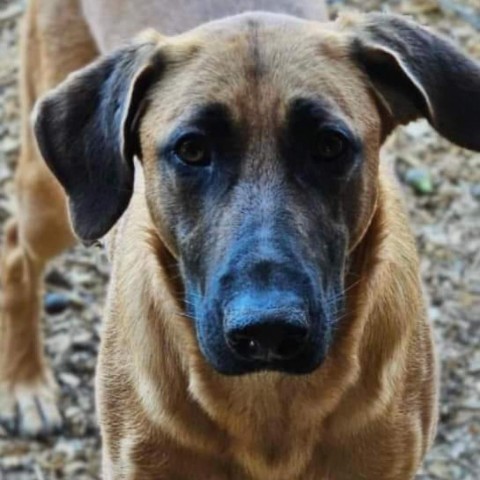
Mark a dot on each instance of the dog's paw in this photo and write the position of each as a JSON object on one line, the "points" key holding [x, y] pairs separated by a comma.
{"points": [[30, 410]]}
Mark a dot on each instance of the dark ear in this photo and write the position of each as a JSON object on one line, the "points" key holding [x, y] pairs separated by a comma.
{"points": [[416, 74], [85, 129]]}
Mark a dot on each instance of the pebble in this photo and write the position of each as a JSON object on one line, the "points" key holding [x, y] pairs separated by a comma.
{"points": [[69, 379], [475, 191], [420, 180], [55, 303], [9, 145]]}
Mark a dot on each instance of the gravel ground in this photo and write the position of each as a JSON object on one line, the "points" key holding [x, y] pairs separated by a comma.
{"points": [[442, 190]]}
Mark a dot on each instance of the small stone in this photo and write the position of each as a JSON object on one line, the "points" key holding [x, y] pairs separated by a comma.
{"points": [[419, 179], [56, 303], [9, 145], [475, 191], [76, 302], [70, 379], [471, 404], [75, 469], [59, 342], [417, 130]]}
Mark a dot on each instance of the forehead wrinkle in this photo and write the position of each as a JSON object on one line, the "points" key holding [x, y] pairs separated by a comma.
{"points": [[252, 95], [255, 67], [263, 121]]}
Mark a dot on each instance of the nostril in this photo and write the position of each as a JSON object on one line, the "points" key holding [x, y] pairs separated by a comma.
{"points": [[244, 345], [292, 345], [268, 342]]}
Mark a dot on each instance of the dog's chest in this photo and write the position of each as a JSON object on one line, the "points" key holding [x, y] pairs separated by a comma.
{"points": [[153, 459]]}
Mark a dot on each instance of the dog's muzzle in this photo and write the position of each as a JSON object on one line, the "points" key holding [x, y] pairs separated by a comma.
{"points": [[274, 321]]}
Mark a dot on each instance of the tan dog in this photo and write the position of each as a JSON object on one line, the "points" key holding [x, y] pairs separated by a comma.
{"points": [[265, 318]]}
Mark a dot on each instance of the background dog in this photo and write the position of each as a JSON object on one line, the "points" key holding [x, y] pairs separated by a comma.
{"points": [[254, 347]]}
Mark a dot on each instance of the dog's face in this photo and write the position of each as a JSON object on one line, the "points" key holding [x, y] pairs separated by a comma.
{"points": [[259, 137], [260, 163]]}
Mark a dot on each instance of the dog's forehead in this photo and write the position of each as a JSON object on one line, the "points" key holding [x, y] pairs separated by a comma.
{"points": [[259, 64]]}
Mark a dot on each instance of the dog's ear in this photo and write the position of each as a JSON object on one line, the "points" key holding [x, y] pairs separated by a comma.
{"points": [[86, 132], [416, 73]]}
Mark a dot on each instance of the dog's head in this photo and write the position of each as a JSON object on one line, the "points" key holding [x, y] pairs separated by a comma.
{"points": [[259, 137]]}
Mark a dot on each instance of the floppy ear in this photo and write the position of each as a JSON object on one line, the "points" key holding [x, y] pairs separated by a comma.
{"points": [[86, 132], [416, 74]]}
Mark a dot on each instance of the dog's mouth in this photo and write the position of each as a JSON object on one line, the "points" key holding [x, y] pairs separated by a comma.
{"points": [[252, 336]]}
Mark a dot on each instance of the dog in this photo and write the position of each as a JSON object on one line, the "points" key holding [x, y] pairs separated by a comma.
{"points": [[264, 319]]}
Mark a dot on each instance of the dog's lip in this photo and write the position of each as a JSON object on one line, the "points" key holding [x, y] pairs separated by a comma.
{"points": [[307, 362], [250, 368]]}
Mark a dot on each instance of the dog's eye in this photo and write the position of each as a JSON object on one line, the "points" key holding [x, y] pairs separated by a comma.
{"points": [[193, 149], [330, 144]]}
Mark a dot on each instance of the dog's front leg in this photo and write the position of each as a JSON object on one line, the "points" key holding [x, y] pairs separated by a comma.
{"points": [[40, 228]]}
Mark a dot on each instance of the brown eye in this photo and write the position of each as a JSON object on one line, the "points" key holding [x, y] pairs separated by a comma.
{"points": [[330, 145], [193, 150]]}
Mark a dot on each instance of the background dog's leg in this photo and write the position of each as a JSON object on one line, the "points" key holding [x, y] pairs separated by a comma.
{"points": [[40, 229]]}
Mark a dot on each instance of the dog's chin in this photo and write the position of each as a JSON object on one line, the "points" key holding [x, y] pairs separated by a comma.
{"points": [[229, 365]]}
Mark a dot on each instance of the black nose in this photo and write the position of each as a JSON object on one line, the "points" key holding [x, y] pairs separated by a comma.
{"points": [[274, 340]]}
